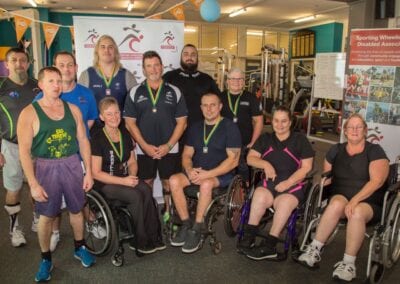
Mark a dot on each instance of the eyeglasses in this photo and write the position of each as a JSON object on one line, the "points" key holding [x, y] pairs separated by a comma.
{"points": [[355, 127], [236, 79]]}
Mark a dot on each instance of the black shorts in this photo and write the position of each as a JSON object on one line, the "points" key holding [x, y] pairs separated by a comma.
{"points": [[147, 167], [376, 209], [296, 190]]}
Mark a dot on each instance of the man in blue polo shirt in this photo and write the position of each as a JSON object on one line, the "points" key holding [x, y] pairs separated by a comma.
{"points": [[211, 152], [155, 115]]}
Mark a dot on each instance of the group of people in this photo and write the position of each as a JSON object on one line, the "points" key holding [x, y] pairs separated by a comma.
{"points": [[72, 137]]}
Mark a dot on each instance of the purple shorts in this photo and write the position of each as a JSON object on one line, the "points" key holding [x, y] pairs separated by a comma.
{"points": [[60, 177]]}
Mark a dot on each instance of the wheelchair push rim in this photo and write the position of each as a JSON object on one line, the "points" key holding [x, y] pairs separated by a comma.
{"points": [[99, 208], [233, 206]]}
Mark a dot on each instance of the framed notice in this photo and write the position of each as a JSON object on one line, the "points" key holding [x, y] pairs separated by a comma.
{"points": [[330, 78]]}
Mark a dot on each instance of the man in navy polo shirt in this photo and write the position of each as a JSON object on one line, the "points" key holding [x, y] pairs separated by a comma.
{"points": [[211, 153], [155, 115]]}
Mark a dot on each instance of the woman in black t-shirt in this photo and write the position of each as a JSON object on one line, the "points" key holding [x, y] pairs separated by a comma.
{"points": [[359, 170], [114, 169], [286, 158]]}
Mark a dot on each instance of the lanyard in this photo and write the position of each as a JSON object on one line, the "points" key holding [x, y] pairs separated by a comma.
{"points": [[121, 144], [154, 100], [206, 139], [108, 82], [234, 109]]}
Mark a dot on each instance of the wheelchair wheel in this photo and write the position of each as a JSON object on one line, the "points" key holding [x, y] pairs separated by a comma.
{"points": [[235, 199], [377, 272], [391, 252], [99, 209], [310, 214]]}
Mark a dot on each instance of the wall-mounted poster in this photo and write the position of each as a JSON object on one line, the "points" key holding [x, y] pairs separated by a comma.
{"points": [[373, 85]]}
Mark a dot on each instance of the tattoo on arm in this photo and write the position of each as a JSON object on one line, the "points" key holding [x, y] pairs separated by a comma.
{"points": [[234, 151]]}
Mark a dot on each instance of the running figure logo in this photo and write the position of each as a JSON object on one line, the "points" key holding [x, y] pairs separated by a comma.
{"points": [[375, 137], [168, 38], [133, 37], [167, 42], [93, 35]]}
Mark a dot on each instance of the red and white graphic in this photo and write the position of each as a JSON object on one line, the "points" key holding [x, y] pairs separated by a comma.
{"points": [[168, 42], [90, 41]]}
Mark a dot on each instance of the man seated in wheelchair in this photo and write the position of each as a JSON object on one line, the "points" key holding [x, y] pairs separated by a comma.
{"points": [[286, 158], [359, 170], [211, 153], [114, 169]]}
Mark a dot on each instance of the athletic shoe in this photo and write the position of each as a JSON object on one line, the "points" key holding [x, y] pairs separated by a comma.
{"points": [[192, 242], [160, 245], [96, 230], [44, 271], [179, 239], [311, 257], [86, 258], [35, 223], [344, 271], [54, 240], [17, 238], [148, 249], [261, 252]]}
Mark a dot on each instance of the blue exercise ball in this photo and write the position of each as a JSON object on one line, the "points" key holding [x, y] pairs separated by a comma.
{"points": [[210, 10]]}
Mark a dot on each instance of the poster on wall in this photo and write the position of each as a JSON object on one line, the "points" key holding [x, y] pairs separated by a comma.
{"points": [[373, 85], [133, 37]]}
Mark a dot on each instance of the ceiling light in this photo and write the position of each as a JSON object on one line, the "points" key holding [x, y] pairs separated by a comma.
{"points": [[190, 30], [33, 3], [305, 19], [254, 33], [237, 12], [130, 5]]}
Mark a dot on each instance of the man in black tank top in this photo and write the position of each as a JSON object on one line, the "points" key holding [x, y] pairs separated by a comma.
{"points": [[52, 132]]}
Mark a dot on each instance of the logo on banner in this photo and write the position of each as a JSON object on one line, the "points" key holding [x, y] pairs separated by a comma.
{"points": [[132, 39], [90, 41], [374, 135], [167, 42]]}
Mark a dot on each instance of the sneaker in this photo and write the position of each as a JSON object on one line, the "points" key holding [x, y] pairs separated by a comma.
{"points": [[160, 245], [311, 257], [35, 223], [248, 239], [148, 249], [344, 271], [17, 237], [192, 242], [54, 240], [98, 231], [261, 252], [44, 271], [86, 258], [179, 239]]}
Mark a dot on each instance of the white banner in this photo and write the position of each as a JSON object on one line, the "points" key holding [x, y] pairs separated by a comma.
{"points": [[133, 37]]}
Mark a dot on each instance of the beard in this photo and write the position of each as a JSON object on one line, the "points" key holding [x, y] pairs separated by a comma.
{"points": [[189, 67]]}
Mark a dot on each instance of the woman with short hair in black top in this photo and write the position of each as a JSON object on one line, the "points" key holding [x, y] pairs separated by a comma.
{"points": [[359, 170], [114, 169]]}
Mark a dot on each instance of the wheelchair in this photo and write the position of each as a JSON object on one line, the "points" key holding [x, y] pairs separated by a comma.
{"points": [[222, 199], [384, 241], [290, 233], [117, 222]]}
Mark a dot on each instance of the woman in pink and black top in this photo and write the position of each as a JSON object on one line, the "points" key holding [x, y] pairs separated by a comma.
{"points": [[286, 158]]}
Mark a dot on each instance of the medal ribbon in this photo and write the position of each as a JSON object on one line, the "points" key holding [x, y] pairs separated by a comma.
{"points": [[107, 82], [121, 144], [234, 109], [154, 100], [206, 138]]}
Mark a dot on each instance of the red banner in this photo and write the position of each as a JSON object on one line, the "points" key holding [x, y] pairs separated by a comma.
{"points": [[375, 47]]}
